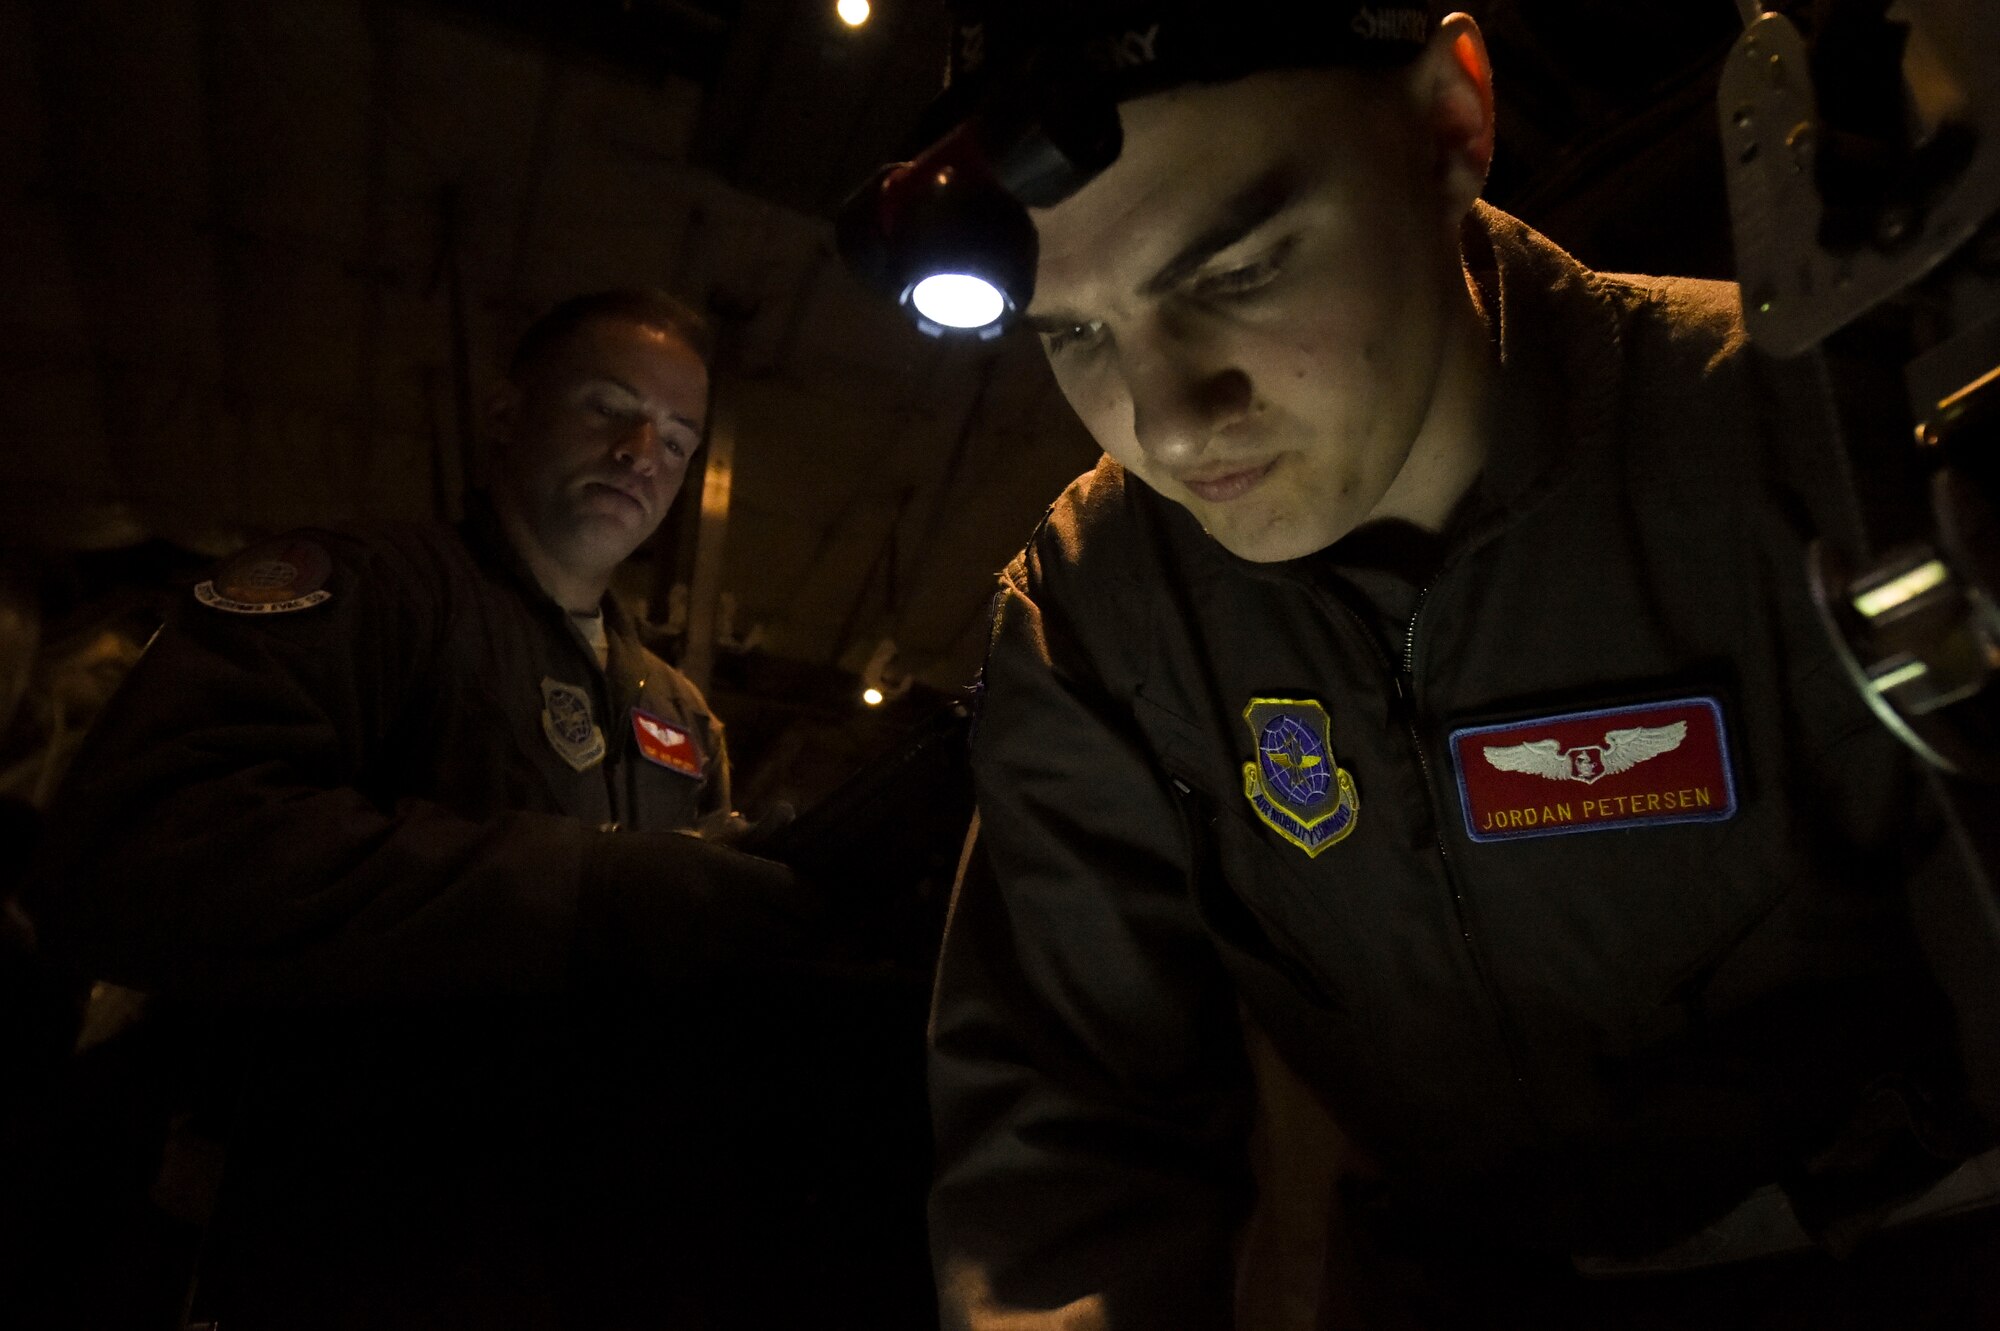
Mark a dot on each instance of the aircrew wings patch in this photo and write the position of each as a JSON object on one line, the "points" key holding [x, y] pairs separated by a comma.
{"points": [[1592, 771], [668, 745]]}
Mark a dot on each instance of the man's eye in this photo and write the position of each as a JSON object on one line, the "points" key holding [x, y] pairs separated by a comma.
{"points": [[1253, 276], [1073, 337]]}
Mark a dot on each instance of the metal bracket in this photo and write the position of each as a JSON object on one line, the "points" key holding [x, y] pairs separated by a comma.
{"points": [[1797, 292]]}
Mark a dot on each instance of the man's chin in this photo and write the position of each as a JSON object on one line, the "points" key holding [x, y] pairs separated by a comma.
{"points": [[1265, 537], [606, 539]]}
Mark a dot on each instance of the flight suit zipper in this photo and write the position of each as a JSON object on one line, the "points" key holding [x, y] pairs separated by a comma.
{"points": [[1403, 683], [1509, 1038], [614, 768], [614, 765]]}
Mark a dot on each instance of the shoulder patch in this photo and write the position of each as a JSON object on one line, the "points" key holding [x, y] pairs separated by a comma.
{"points": [[1295, 784], [572, 732], [274, 577]]}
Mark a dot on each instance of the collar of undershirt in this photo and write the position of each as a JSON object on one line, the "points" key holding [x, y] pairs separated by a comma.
{"points": [[589, 628]]}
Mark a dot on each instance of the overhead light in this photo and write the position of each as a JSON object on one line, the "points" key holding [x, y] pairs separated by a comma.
{"points": [[853, 13], [873, 697]]}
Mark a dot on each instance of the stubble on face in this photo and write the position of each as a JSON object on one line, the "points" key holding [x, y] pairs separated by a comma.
{"points": [[1330, 315], [599, 442]]}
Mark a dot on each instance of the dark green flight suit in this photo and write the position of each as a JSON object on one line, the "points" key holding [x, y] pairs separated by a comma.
{"points": [[1674, 964], [371, 797]]}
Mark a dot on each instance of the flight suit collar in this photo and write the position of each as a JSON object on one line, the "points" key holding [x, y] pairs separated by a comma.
{"points": [[625, 665], [625, 668], [1559, 345], [488, 542]]}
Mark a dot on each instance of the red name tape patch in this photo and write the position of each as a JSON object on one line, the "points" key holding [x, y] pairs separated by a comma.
{"points": [[1592, 771], [666, 744]]}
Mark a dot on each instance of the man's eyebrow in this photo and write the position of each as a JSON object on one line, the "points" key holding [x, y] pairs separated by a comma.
{"points": [[615, 382], [1246, 210], [635, 394]]}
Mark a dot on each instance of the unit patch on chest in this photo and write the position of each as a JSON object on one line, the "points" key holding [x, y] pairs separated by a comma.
{"points": [[667, 744], [271, 578], [1296, 787], [567, 722], [1592, 771]]}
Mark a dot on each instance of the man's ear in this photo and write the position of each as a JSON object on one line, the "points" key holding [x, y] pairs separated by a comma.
{"points": [[1453, 82]]}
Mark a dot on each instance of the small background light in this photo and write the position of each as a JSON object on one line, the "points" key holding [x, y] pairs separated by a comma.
{"points": [[958, 300], [853, 13], [873, 697]]}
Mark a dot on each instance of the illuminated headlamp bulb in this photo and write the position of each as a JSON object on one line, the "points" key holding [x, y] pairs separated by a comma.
{"points": [[853, 13], [958, 300], [872, 696]]}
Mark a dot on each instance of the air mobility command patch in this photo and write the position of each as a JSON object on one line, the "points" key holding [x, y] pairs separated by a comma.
{"points": [[1591, 771], [666, 744], [1295, 785], [566, 721], [270, 578]]}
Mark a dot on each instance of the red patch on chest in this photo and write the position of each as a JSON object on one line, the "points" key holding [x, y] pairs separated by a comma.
{"points": [[667, 744], [1592, 771]]}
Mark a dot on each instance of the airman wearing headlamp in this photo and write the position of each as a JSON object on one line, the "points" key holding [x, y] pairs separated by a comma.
{"points": [[1426, 681]]}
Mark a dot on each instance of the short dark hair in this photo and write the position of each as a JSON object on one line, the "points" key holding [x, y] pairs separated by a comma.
{"points": [[640, 305]]}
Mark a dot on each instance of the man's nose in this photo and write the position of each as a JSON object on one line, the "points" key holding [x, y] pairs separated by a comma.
{"points": [[1184, 393], [639, 446]]}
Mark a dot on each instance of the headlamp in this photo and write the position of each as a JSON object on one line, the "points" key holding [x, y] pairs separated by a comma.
{"points": [[947, 234], [1033, 91]]}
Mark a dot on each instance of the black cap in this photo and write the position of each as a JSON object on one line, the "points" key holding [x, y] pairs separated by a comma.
{"points": [[1133, 47]]}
